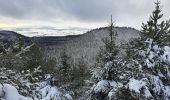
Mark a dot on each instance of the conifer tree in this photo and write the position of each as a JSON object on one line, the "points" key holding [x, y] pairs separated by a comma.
{"points": [[65, 67], [21, 42], [155, 36], [33, 56], [106, 59], [156, 29], [8, 53], [80, 72], [149, 52]]}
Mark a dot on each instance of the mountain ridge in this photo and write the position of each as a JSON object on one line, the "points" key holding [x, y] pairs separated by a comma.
{"points": [[84, 45], [88, 45]]}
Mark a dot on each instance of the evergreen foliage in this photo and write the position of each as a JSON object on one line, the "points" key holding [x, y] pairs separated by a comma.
{"points": [[150, 51], [65, 68], [106, 60], [143, 74], [158, 30]]}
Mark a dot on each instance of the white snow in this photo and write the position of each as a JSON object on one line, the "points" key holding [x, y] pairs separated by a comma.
{"points": [[11, 93], [166, 55], [115, 87], [157, 84], [139, 86], [113, 84], [136, 85], [111, 94], [1, 91], [149, 64], [149, 41], [156, 48], [166, 48], [167, 92], [147, 93], [24, 98], [152, 54], [68, 97], [102, 86], [108, 64], [49, 93]]}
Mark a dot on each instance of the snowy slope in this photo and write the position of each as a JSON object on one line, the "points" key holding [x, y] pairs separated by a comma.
{"points": [[8, 35], [88, 44]]}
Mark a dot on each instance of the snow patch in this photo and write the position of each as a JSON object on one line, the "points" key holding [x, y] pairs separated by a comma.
{"points": [[11, 93], [68, 97], [166, 55], [157, 84], [1, 91], [167, 92], [136, 85], [147, 93], [101, 86]]}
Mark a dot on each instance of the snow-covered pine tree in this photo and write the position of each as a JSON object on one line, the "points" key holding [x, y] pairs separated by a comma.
{"points": [[18, 45], [155, 36], [33, 58], [106, 70], [151, 51], [8, 53], [106, 62], [156, 29]]}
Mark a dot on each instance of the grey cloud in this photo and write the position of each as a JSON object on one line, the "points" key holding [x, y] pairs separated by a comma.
{"points": [[25, 9], [81, 10]]}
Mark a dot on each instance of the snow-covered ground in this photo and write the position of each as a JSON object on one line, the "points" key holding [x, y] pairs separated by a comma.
{"points": [[14, 86], [9, 92]]}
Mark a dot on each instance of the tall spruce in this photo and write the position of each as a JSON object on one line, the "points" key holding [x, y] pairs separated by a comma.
{"points": [[155, 35], [65, 68], [149, 52], [156, 29], [106, 62]]}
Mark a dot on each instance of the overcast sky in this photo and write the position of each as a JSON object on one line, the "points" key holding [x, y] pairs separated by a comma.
{"points": [[77, 13]]}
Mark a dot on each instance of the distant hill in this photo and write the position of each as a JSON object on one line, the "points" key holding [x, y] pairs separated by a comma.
{"points": [[10, 36], [53, 40], [86, 45]]}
